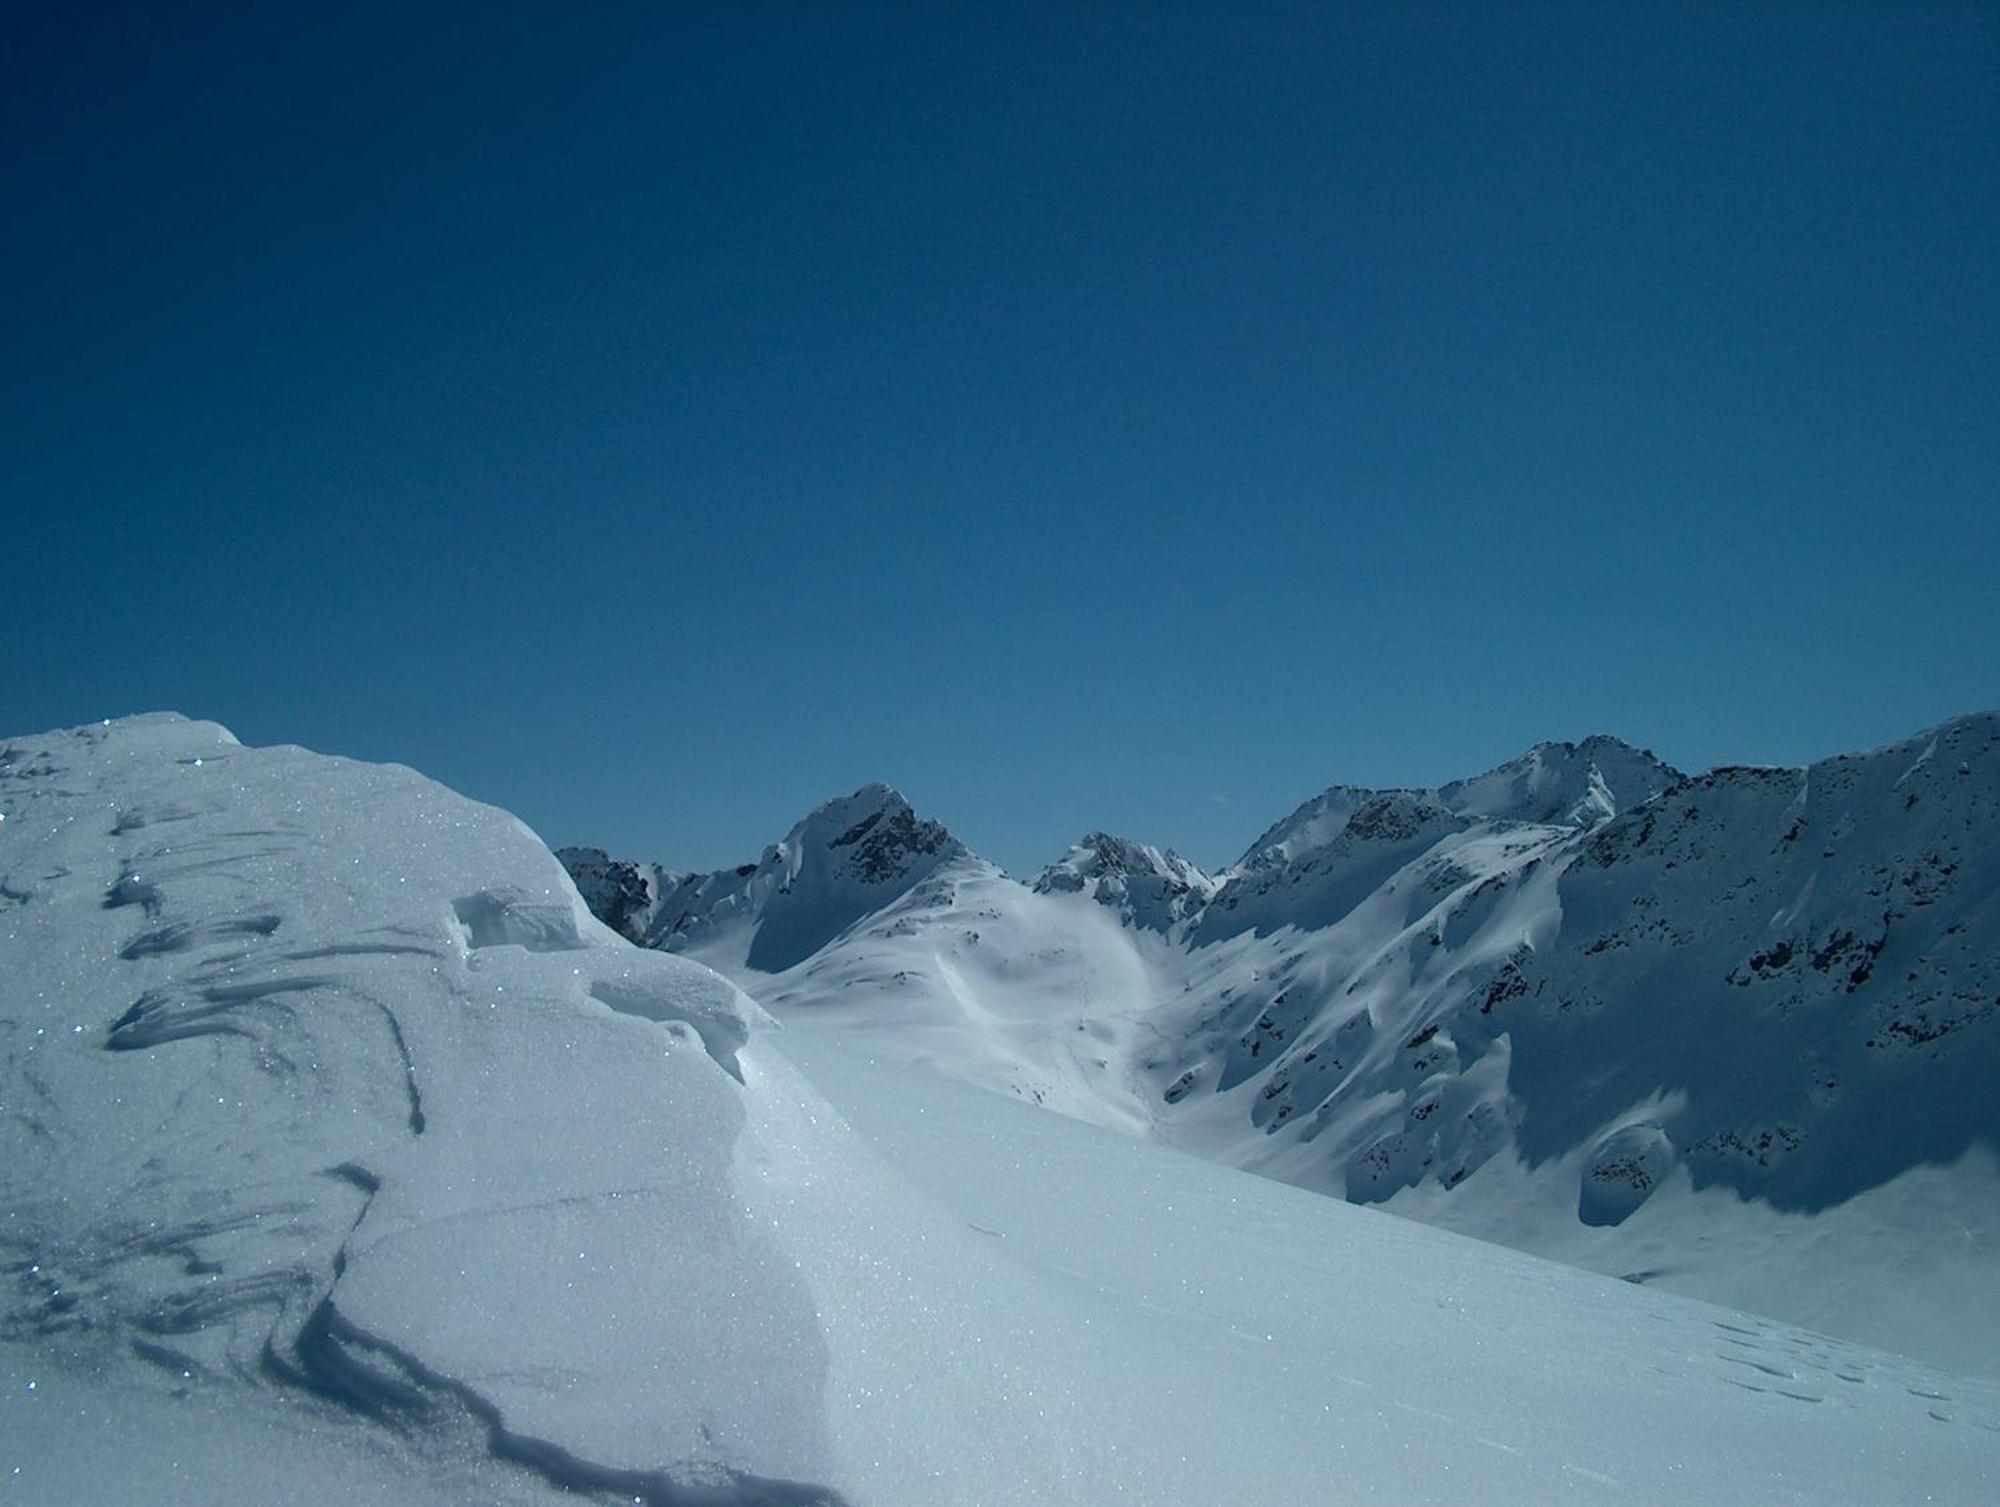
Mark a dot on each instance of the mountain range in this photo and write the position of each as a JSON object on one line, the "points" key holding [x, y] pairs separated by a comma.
{"points": [[1733, 1033]]}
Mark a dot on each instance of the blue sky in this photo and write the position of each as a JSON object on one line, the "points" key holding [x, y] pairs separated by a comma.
{"points": [[656, 420]]}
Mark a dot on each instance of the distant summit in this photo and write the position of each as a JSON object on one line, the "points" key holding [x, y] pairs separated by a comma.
{"points": [[845, 860], [1563, 784], [1559, 784], [1150, 887]]}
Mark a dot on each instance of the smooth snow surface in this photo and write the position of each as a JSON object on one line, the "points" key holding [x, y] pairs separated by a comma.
{"points": [[1272, 1346], [346, 1158]]}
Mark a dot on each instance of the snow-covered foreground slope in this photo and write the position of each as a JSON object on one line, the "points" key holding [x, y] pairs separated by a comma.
{"points": [[1291, 1348], [345, 1158], [1736, 1035]]}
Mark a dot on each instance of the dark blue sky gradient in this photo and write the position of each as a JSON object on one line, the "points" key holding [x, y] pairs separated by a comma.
{"points": [[655, 420]]}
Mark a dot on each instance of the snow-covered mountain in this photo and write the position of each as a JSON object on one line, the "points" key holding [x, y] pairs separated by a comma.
{"points": [[1735, 1039], [848, 859], [1147, 886], [345, 1157], [1732, 1034], [1569, 784]]}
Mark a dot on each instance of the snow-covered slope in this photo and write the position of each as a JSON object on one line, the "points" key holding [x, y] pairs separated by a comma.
{"points": [[931, 948], [1298, 1349], [1750, 1001], [1044, 996], [345, 1158], [1734, 1035]]}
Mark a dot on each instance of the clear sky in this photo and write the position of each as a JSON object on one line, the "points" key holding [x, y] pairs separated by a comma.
{"points": [[658, 419]]}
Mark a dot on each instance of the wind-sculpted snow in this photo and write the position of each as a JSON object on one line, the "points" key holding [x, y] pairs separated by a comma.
{"points": [[320, 1078]]}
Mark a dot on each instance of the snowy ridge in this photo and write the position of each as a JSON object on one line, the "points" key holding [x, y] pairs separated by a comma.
{"points": [[1567, 784], [347, 1158], [1733, 1034]]}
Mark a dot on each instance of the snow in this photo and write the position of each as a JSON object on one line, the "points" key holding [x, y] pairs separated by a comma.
{"points": [[1148, 887], [346, 1157], [844, 861], [299, 1055], [1325, 1346], [1733, 1035]]}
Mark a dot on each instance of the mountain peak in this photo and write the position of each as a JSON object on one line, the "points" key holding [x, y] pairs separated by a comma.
{"points": [[877, 833], [1151, 887], [1563, 784], [843, 860]]}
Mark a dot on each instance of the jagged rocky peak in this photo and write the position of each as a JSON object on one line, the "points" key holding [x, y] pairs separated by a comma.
{"points": [[877, 835], [1149, 886], [1398, 816], [845, 859], [1096, 854], [620, 893]]}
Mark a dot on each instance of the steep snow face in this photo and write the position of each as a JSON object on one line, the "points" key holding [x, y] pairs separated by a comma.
{"points": [[1315, 866], [1827, 936], [1322, 884], [848, 859], [1778, 983], [1315, 824], [1146, 886]]}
